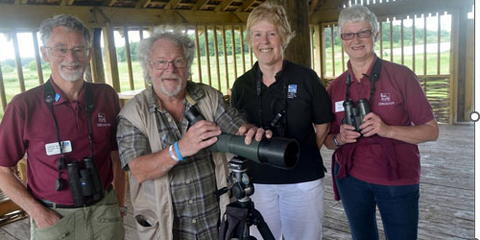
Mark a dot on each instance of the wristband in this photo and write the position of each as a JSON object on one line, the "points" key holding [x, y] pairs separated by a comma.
{"points": [[178, 151], [335, 141], [170, 150]]}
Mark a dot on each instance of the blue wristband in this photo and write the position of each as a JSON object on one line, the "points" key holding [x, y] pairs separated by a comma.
{"points": [[178, 151]]}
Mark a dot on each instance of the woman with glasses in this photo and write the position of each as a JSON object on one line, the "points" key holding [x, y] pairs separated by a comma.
{"points": [[380, 113], [290, 100]]}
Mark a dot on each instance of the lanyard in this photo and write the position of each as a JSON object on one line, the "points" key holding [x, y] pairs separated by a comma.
{"points": [[373, 78], [49, 96], [278, 116]]}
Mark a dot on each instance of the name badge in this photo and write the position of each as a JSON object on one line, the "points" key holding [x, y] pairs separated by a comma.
{"points": [[339, 106], [54, 148]]}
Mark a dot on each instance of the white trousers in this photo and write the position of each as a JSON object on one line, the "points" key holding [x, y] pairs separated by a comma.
{"points": [[292, 210]]}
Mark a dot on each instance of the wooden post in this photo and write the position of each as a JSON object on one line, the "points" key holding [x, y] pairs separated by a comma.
{"points": [[111, 57], [96, 62], [462, 53], [38, 61], [298, 49], [3, 97]]}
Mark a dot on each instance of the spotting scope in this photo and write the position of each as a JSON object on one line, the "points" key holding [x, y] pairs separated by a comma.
{"points": [[276, 151]]}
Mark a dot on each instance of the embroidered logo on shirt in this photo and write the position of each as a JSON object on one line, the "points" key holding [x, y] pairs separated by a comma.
{"points": [[292, 91], [385, 100], [102, 120]]}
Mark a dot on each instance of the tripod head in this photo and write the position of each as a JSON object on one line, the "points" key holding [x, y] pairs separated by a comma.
{"points": [[242, 213], [241, 187]]}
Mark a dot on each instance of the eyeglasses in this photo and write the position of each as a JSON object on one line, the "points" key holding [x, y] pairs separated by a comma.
{"points": [[163, 64], [78, 52], [362, 34]]}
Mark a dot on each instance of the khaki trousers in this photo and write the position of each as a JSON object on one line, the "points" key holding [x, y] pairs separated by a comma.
{"points": [[101, 221]]}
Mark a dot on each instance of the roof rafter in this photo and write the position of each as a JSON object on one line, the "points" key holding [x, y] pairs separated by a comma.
{"points": [[245, 5], [223, 5], [108, 3], [142, 3], [199, 5], [172, 4]]}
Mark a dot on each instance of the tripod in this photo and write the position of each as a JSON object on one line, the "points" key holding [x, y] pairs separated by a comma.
{"points": [[240, 215]]}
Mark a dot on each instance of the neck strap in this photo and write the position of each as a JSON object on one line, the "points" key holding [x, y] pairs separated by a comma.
{"points": [[49, 97], [278, 116], [373, 78]]}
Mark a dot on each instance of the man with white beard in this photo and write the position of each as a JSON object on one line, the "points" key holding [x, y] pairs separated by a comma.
{"points": [[67, 128], [173, 176]]}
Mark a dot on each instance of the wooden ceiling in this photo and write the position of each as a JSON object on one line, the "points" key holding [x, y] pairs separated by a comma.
{"points": [[29, 13]]}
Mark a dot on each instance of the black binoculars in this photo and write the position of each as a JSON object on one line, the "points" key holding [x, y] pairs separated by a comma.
{"points": [[354, 115], [85, 183]]}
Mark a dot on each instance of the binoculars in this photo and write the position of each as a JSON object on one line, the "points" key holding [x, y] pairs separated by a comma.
{"points": [[354, 115], [85, 184]]}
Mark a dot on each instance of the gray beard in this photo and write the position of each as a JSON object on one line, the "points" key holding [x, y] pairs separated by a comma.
{"points": [[173, 93], [72, 77]]}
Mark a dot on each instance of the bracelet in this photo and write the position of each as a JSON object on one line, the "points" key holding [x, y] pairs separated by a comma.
{"points": [[170, 150], [178, 151], [335, 141], [123, 210]]}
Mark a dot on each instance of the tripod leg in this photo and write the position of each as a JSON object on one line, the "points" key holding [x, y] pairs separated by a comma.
{"points": [[262, 226]]}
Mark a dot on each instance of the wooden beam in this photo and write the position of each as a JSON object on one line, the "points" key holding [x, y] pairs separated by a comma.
{"points": [[395, 8], [9, 17], [225, 57], [18, 61], [3, 97], [199, 5], [111, 58], [67, 2], [38, 61], [142, 4], [298, 50], [246, 4], [207, 55], [313, 5], [461, 39], [223, 5], [96, 62], [199, 57], [129, 58], [172, 4], [109, 3]]}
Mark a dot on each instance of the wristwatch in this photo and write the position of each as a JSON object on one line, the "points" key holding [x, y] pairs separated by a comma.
{"points": [[123, 210], [335, 141]]}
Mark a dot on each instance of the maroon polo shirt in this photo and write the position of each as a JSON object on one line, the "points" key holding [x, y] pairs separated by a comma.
{"points": [[399, 100], [28, 126]]}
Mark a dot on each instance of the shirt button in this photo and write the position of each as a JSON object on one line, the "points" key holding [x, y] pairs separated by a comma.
{"points": [[187, 181], [169, 119], [194, 220], [190, 201]]}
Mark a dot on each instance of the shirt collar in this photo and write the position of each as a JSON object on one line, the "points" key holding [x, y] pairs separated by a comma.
{"points": [[60, 97], [369, 71]]}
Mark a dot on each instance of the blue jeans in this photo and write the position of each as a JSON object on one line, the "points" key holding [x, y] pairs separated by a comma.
{"points": [[398, 206]]}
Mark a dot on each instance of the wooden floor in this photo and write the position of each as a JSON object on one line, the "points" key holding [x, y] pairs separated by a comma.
{"points": [[446, 197]]}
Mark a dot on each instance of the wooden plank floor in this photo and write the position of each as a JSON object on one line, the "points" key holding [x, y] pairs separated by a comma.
{"points": [[446, 197]]}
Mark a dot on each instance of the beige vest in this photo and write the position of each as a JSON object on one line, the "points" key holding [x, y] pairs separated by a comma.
{"points": [[151, 199]]}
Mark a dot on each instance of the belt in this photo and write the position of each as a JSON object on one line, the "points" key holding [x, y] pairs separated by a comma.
{"points": [[50, 204]]}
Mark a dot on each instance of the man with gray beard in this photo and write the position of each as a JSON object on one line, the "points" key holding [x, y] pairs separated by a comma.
{"points": [[173, 176], [67, 128]]}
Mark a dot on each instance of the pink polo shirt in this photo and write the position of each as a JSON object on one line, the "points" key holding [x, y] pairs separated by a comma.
{"points": [[27, 127], [399, 100]]}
